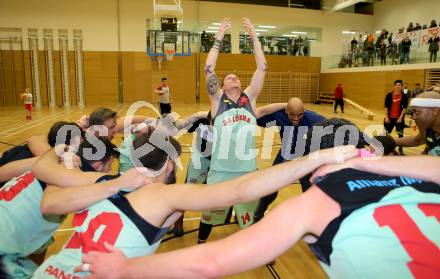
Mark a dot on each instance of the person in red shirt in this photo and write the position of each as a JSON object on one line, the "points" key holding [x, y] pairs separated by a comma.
{"points": [[395, 108], [339, 98]]}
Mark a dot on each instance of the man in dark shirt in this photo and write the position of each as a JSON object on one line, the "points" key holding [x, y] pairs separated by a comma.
{"points": [[406, 47], [293, 123], [395, 107]]}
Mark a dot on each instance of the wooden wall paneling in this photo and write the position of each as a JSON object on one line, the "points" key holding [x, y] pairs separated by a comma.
{"points": [[101, 77], [20, 80], [239, 63], [276, 63], [368, 89], [8, 76], [136, 75], [2, 82], [181, 74]]}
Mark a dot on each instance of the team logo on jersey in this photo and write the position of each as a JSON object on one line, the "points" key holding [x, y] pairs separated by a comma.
{"points": [[243, 101]]}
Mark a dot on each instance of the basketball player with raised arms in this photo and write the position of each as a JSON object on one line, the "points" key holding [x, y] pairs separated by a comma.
{"points": [[234, 126]]}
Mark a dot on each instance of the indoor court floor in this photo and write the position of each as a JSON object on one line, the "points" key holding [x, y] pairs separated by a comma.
{"points": [[297, 262]]}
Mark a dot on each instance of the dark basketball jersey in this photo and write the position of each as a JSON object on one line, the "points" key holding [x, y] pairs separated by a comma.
{"points": [[432, 143], [388, 228]]}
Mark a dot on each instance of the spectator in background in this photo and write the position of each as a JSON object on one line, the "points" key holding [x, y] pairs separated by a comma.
{"points": [[406, 90], [205, 41], [433, 48], [395, 108], [369, 46], [410, 27], [390, 38], [339, 98], [433, 24], [417, 90], [353, 44], [406, 48], [424, 26], [377, 47], [418, 27], [306, 48], [393, 52], [383, 53], [273, 44]]}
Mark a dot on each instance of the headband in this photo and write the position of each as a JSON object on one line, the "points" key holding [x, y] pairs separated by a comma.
{"points": [[425, 102]]}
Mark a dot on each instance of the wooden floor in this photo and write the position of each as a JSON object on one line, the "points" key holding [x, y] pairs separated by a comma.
{"points": [[297, 262]]}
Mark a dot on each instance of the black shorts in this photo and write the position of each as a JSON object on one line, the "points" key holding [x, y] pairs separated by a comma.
{"points": [[165, 108]]}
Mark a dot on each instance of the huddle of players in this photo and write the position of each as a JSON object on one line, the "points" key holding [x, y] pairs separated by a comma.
{"points": [[27, 230], [134, 210]]}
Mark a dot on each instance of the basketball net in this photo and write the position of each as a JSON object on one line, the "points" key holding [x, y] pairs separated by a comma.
{"points": [[170, 53], [159, 61]]}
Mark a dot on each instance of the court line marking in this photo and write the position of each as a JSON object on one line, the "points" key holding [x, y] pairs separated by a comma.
{"points": [[38, 124], [33, 122]]}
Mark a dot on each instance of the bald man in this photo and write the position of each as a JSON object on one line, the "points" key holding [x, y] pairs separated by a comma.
{"points": [[291, 121], [425, 110]]}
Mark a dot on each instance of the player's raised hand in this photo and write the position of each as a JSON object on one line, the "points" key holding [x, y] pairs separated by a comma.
{"points": [[224, 27], [249, 27]]}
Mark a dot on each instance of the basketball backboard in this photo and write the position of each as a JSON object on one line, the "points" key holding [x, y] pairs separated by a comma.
{"points": [[159, 42]]}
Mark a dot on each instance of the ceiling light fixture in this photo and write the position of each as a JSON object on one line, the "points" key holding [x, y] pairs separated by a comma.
{"points": [[267, 26]]}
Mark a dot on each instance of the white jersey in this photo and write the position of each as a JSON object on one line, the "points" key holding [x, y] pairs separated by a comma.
{"points": [[27, 98], [165, 97]]}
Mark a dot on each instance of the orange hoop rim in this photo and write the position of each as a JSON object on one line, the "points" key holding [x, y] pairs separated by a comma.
{"points": [[169, 53]]}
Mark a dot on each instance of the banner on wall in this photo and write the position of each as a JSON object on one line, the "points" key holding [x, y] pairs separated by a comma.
{"points": [[425, 35], [414, 37]]}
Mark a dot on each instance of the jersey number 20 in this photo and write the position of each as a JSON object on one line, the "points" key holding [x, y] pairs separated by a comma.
{"points": [[113, 226]]}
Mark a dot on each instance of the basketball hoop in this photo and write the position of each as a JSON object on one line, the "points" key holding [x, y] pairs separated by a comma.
{"points": [[170, 53], [159, 61]]}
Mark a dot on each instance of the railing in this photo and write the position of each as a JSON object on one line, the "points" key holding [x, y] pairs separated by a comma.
{"points": [[419, 51], [416, 56]]}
